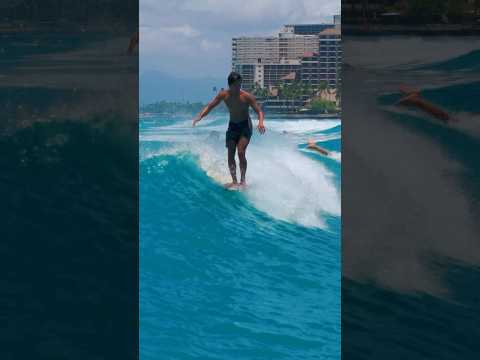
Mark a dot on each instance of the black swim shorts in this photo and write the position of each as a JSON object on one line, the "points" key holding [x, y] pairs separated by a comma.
{"points": [[237, 130]]}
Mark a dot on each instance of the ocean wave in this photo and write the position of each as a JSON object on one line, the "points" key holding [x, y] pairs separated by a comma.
{"points": [[326, 137], [469, 62], [282, 182], [302, 126], [242, 257]]}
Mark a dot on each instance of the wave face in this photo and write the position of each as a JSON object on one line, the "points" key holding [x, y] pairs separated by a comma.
{"points": [[469, 62], [410, 250], [226, 274]]}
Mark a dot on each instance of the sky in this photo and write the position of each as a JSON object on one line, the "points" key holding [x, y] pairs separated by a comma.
{"points": [[192, 38]]}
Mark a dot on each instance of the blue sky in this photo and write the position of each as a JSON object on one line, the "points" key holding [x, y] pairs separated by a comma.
{"points": [[192, 38]]}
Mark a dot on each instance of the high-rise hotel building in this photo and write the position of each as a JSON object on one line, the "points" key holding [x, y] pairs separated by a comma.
{"points": [[324, 65], [304, 52]]}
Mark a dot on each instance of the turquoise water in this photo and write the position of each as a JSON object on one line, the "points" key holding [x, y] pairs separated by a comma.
{"points": [[239, 275], [408, 289]]}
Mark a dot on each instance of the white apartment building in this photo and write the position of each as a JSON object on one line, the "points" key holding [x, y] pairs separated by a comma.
{"points": [[253, 50], [270, 50], [293, 46], [263, 61]]}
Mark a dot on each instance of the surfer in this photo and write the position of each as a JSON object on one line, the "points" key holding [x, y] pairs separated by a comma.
{"points": [[240, 125], [311, 145], [133, 43], [414, 98]]}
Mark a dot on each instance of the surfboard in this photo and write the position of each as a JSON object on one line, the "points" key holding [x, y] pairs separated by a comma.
{"points": [[234, 188]]}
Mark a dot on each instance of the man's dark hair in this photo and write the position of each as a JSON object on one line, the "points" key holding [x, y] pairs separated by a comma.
{"points": [[234, 76]]}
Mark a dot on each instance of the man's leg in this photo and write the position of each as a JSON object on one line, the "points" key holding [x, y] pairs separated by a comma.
{"points": [[232, 166], [241, 150]]}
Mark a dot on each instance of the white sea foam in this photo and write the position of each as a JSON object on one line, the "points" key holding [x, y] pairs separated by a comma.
{"points": [[187, 123], [335, 155], [290, 186], [283, 182], [302, 126], [327, 137]]}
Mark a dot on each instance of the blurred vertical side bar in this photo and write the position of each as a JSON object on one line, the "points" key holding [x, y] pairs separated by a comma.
{"points": [[410, 189], [69, 179]]}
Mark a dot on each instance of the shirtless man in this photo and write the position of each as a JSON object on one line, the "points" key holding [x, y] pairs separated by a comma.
{"points": [[313, 146], [414, 98], [240, 125]]}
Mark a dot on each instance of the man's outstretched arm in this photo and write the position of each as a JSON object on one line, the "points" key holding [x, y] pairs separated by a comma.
{"points": [[133, 43], [258, 110], [211, 105], [409, 99]]}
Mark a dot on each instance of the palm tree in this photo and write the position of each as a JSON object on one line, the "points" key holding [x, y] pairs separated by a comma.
{"points": [[264, 92], [323, 85]]}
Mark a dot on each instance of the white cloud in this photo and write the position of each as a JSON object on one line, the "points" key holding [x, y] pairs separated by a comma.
{"points": [[210, 45], [185, 30], [255, 10], [155, 38], [173, 32]]}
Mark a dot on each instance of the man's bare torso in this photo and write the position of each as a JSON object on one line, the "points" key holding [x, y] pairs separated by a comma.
{"points": [[238, 106]]}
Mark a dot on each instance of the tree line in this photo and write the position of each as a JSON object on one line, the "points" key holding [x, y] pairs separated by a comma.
{"points": [[300, 90]]}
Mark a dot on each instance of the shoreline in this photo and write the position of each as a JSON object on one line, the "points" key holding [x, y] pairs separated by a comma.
{"points": [[276, 115]]}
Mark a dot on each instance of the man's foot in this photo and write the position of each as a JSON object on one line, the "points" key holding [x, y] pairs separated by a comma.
{"points": [[231, 185], [242, 185]]}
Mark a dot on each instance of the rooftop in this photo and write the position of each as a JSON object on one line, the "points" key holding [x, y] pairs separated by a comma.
{"points": [[330, 31]]}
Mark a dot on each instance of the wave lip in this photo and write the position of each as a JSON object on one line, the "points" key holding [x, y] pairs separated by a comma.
{"points": [[292, 187], [281, 181], [302, 126]]}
